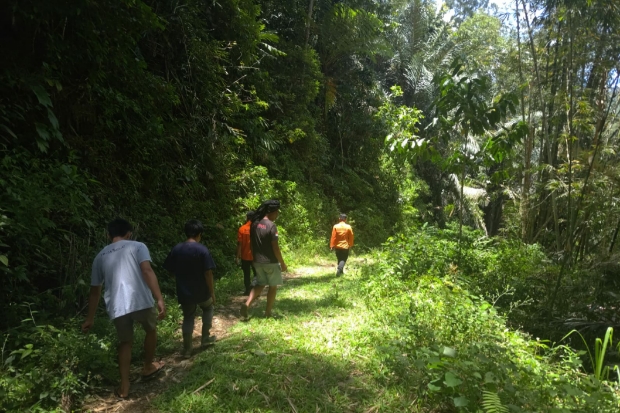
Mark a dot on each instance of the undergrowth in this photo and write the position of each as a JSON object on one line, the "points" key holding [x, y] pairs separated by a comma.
{"points": [[456, 350], [371, 341]]}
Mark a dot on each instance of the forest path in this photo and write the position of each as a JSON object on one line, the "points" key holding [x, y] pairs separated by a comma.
{"points": [[176, 367]]}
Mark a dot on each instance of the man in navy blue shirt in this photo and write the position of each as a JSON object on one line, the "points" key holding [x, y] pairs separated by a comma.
{"points": [[192, 265]]}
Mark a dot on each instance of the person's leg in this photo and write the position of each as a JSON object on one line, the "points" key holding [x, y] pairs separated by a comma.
{"points": [[124, 330], [124, 363], [341, 256], [245, 266], [150, 344], [261, 281], [254, 294], [187, 328], [337, 262], [148, 319], [274, 278], [207, 322], [345, 257], [271, 298]]}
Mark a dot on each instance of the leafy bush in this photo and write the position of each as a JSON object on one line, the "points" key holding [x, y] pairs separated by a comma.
{"points": [[47, 367], [51, 367], [503, 271], [454, 348]]}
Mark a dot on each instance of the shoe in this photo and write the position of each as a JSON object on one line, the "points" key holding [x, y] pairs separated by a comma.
{"points": [[244, 311], [207, 341]]}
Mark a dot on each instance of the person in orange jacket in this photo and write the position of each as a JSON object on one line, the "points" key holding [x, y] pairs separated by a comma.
{"points": [[244, 252], [341, 241]]}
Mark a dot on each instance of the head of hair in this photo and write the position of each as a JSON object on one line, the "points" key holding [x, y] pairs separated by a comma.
{"points": [[343, 217], [249, 215], [119, 227], [193, 228], [265, 208]]}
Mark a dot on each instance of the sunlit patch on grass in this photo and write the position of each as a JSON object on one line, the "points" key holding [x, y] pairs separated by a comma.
{"points": [[320, 356]]}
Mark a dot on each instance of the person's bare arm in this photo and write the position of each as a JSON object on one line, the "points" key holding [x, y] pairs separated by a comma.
{"points": [[238, 256], [149, 277], [209, 278], [93, 303], [278, 254]]}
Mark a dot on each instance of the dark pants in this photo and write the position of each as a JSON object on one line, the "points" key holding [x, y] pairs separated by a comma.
{"points": [[341, 256], [189, 312], [247, 280]]}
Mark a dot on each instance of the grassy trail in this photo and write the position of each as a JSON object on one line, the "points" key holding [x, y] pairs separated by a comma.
{"points": [[319, 356]]}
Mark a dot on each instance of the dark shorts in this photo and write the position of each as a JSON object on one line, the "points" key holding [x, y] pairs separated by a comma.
{"points": [[124, 324]]}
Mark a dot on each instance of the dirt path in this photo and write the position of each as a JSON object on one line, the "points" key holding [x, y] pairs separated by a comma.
{"points": [[103, 400]]}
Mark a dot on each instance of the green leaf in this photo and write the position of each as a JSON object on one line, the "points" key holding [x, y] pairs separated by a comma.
{"points": [[4, 260], [449, 352], [9, 131], [460, 401], [52, 118], [452, 380], [42, 96], [489, 377], [432, 387], [42, 131]]}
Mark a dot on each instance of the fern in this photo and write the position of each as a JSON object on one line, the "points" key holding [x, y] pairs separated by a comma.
{"points": [[492, 403]]}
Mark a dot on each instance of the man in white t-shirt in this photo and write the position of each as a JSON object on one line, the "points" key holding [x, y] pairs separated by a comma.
{"points": [[124, 267]]}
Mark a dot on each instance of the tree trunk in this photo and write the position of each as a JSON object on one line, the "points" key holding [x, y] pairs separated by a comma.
{"points": [[431, 174], [493, 212]]}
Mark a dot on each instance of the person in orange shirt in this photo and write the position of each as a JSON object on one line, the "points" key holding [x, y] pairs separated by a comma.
{"points": [[244, 252], [341, 241]]}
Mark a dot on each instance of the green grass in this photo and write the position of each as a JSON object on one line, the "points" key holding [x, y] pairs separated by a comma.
{"points": [[321, 355]]}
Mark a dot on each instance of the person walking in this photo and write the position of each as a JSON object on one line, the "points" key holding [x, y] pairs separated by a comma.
{"points": [[341, 241], [192, 265], [244, 252], [124, 266], [268, 261]]}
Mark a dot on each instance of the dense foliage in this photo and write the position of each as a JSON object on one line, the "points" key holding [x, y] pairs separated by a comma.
{"points": [[452, 346]]}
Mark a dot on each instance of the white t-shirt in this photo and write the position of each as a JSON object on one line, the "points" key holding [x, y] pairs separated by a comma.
{"points": [[118, 267]]}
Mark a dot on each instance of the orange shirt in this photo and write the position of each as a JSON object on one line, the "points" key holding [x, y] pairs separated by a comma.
{"points": [[342, 236], [243, 237]]}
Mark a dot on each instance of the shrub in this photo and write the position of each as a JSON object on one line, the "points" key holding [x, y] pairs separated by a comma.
{"points": [[454, 349]]}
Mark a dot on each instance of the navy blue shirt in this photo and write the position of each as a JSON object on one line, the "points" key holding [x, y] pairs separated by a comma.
{"points": [[189, 261]]}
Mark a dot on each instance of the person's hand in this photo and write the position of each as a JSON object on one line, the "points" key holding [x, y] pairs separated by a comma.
{"points": [[283, 267], [87, 325], [213, 298], [161, 308], [237, 261], [331, 249]]}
